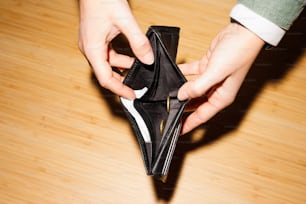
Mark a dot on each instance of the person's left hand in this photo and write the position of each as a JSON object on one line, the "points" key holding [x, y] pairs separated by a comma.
{"points": [[221, 72]]}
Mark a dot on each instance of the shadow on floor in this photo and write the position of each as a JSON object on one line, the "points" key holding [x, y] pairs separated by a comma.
{"points": [[270, 67]]}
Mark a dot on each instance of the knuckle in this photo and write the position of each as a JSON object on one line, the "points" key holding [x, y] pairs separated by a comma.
{"points": [[142, 45], [103, 82], [80, 45], [196, 91], [221, 101], [87, 50], [227, 100], [90, 52]]}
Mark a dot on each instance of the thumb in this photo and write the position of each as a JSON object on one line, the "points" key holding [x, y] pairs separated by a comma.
{"points": [[141, 46], [199, 86], [137, 39], [193, 89]]}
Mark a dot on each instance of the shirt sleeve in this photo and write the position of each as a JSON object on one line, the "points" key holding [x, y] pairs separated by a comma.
{"points": [[267, 19]]}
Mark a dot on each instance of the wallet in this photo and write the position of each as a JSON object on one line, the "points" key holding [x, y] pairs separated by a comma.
{"points": [[156, 113]]}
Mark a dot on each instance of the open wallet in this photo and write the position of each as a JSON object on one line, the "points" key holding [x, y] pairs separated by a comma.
{"points": [[156, 113]]}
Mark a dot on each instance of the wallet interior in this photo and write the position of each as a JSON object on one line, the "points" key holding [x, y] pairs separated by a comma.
{"points": [[156, 112]]}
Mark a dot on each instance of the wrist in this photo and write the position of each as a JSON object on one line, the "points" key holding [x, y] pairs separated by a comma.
{"points": [[249, 36]]}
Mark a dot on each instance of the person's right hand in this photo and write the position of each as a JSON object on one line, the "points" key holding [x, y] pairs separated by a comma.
{"points": [[100, 22]]}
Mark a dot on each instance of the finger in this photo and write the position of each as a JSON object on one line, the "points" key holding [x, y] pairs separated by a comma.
{"points": [[195, 103], [199, 86], [141, 47], [195, 67], [219, 98], [106, 77], [138, 41], [113, 81], [115, 85], [119, 60], [189, 68], [200, 116]]}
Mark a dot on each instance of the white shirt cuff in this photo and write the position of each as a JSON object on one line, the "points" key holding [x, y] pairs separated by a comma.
{"points": [[262, 27]]}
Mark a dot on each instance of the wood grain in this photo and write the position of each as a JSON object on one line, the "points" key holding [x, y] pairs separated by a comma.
{"points": [[66, 140]]}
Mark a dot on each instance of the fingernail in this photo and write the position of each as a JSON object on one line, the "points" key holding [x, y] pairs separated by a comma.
{"points": [[148, 58]]}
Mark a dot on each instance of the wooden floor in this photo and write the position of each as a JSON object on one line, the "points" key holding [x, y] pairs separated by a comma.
{"points": [[63, 139]]}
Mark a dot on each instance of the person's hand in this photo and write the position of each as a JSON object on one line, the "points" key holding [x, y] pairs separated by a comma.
{"points": [[100, 22], [221, 72]]}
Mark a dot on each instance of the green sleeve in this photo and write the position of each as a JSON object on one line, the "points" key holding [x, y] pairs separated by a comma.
{"points": [[281, 12]]}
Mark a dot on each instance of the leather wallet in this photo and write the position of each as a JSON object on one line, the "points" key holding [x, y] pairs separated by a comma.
{"points": [[155, 114]]}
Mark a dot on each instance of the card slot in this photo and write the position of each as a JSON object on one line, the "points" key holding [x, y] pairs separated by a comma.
{"points": [[129, 105], [153, 114]]}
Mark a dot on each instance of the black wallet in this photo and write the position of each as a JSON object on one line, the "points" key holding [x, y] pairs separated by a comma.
{"points": [[156, 113]]}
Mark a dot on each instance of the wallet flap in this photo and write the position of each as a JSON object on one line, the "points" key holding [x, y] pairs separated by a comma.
{"points": [[169, 36]]}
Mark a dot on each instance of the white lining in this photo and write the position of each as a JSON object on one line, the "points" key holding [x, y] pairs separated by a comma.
{"points": [[129, 105]]}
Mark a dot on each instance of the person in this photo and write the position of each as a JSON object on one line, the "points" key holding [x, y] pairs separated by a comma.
{"points": [[221, 70]]}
